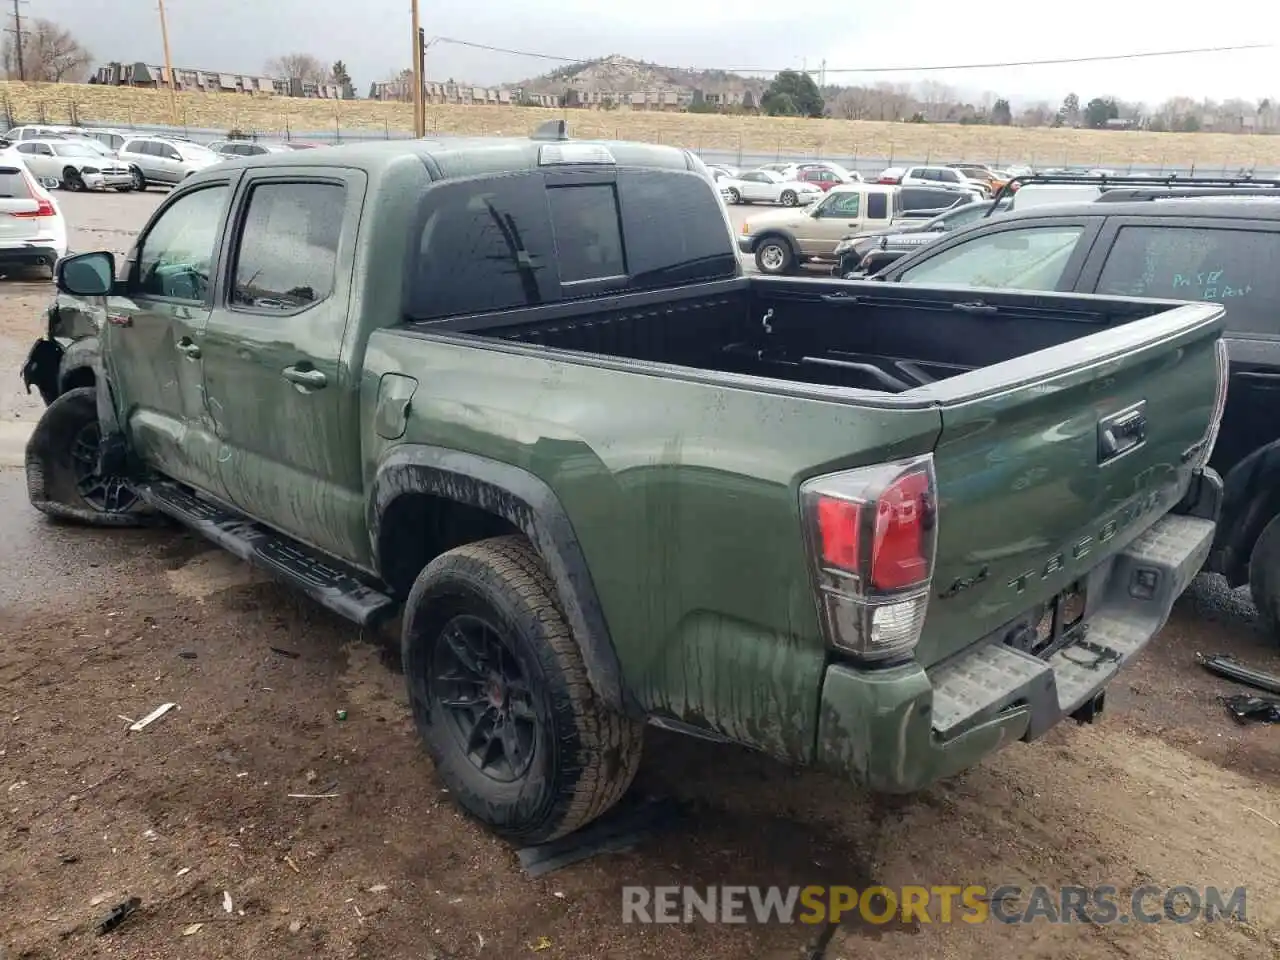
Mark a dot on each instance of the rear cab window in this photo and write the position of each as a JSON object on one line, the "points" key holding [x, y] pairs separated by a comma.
{"points": [[1234, 266], [533, 239]]}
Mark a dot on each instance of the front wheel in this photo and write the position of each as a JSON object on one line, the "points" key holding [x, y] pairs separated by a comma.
{"points": [[789, 198], [1264, 577], [501, 698], [63, 478], [774, 256], [139, 181], [71, 180]]}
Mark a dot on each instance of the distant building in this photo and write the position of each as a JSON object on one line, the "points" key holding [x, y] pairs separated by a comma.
{"points": [[147, 75]]}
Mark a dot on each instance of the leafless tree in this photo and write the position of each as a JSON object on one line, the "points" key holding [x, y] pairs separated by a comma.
{"points": [[50, 54], [299, 66], [936, 97]]}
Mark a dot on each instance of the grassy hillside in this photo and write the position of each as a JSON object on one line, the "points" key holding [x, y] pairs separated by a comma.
{"points": [[62, 103]]}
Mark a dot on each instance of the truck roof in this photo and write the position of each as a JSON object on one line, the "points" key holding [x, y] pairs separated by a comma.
{"points": [[474, 156]]}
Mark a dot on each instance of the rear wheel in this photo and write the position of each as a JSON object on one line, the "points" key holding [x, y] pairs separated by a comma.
{"points": [[501, 698], [789, 198], [773, 255], [63, 479], [1264, 577]]}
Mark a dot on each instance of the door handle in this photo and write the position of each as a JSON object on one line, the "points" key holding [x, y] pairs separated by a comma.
{"points": [[306, 377], [188, 348]]}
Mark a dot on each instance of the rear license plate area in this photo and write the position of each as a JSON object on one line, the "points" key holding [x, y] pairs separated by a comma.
{"points": [[1059, 623]]}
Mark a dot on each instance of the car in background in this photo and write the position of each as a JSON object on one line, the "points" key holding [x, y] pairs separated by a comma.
{"points": [[994, 179], [820, 177], [33, 131], [247, 148], [75, 164], [863, 253], [164, 160], [769, 186], [921, 202], [33, 231], [782, 240], [927, 175]]}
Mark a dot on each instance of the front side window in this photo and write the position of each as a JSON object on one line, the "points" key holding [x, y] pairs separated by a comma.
{"points": [[175, 258], [844, 204], [1236, 268], [287, 253], [1033, 258]]}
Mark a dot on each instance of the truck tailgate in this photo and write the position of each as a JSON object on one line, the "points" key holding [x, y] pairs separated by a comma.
{"points": [[1051, 463]]}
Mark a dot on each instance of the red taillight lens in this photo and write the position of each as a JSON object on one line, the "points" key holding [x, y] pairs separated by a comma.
{"points": [[44, 210], [838, 530], [873, 533], [898, 555]]}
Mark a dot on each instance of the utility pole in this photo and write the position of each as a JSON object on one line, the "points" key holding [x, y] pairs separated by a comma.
{"points": [[822, 75], [419, 108], [17, 39], [168, 66]]}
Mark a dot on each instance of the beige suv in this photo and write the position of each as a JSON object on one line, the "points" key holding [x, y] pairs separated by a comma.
{"points": [[781, 240]]}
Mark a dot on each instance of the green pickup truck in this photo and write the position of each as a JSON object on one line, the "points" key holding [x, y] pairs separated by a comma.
{"points": [[522, 391]]}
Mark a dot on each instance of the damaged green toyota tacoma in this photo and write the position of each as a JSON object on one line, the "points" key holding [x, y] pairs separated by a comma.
{"points": [[521, 391]]}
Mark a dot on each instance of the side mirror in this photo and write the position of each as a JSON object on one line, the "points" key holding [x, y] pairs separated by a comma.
{"points": [[86, 274]]}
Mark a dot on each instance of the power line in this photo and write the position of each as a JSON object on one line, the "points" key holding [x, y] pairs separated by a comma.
{"points": [[930, 68]]}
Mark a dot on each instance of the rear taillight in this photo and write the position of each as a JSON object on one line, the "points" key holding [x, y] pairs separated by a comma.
{"points": [[1219, 405], [45, 208], [872, 538]]}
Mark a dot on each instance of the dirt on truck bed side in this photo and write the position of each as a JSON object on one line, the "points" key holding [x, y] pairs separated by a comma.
{"points": [[194, 811]]}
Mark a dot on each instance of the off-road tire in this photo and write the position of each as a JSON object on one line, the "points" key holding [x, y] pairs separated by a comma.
{"points": [[584, 755], [52, 482], [1264, 577]]}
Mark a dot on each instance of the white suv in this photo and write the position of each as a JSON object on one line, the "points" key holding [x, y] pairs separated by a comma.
{"points": [[33, 231], [946, 176], [164, 160]]}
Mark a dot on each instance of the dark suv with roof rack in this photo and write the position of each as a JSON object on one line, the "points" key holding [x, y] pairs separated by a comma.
{"points": [[1199, 240]]}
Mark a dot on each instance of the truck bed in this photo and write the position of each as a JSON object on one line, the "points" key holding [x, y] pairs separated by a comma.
{"points": [[864, 336]]}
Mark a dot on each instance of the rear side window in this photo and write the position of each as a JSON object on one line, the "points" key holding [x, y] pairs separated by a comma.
{"points": [[1236, 268], [13, 185], [288, 246]]}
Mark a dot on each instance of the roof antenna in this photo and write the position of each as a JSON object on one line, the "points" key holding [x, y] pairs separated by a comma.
{"points": [[552, 130]]}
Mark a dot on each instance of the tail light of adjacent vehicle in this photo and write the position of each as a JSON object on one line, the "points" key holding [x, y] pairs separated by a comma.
{"points": [[872, 535], [45, 205], [1219, 405]]}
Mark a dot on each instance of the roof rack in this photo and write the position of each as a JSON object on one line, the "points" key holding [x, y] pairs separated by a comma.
{"points": [[1146, 187]]}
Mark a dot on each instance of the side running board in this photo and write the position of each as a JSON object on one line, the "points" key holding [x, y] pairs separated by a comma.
{"points": [[299, 566]]}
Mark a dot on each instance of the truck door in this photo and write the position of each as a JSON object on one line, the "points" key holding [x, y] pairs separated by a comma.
{"points": [[283, 398], [837, 216], [154, 331]]}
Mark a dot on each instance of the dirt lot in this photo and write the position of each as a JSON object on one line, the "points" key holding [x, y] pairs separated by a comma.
{"points": [[97, 629], [63, 103]]}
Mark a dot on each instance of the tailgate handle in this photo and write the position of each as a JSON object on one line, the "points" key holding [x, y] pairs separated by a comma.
{"points": [[1122, 432], [977, 307]]}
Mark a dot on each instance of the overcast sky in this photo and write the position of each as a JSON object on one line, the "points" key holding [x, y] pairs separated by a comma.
{"points": [[373, 37]]}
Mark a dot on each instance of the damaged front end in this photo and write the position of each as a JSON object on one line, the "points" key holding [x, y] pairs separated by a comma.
{"points": [[69, 321]]}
